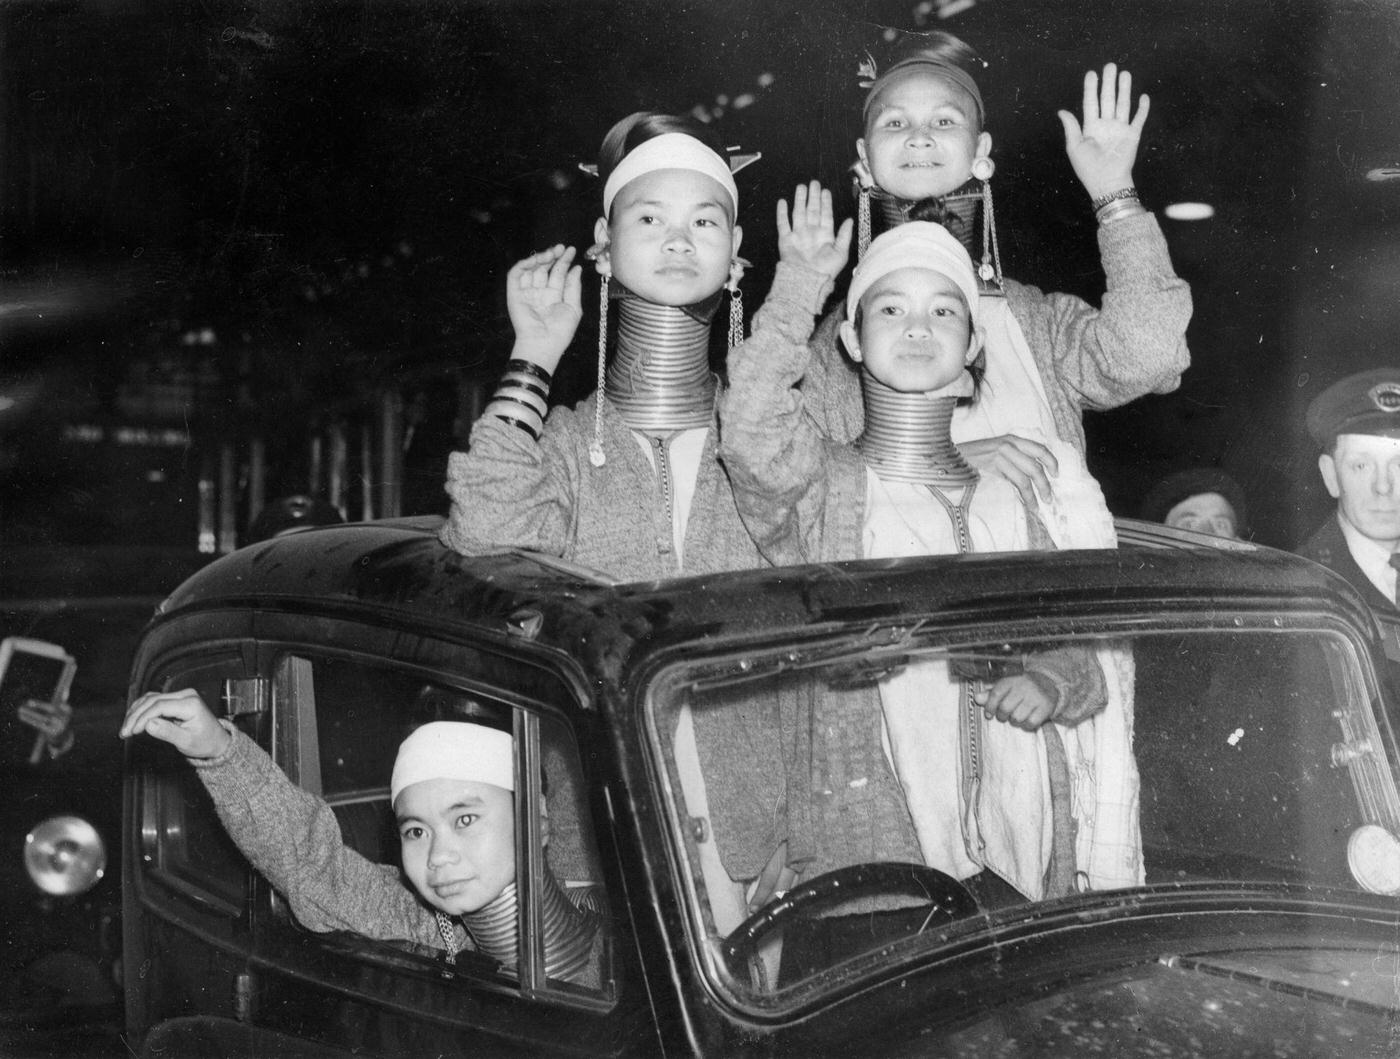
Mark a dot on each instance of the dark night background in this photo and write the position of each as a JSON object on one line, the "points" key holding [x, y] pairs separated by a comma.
{"points": [[254, 220], [256, 247]]}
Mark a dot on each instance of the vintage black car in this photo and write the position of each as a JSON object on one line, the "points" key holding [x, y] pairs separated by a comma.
{"points": [[1235, 863]]}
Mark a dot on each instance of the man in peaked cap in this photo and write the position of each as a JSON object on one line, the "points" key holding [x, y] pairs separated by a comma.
{"points": [[1356, 424]]}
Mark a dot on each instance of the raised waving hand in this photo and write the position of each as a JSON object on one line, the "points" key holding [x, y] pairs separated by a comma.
{"points": [[1103, 147], [544, 299], [810, 238]]}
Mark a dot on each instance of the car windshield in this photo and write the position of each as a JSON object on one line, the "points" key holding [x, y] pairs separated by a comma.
{"points": [[842, 806]]}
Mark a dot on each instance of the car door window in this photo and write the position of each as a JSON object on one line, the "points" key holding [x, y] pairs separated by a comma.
{"points": [[185, 845], [358, 713]]}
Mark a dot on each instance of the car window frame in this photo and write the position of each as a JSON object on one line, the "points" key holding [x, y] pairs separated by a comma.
{"points": [[507, 668], [297, 753], [192, 881], [661, 675]]}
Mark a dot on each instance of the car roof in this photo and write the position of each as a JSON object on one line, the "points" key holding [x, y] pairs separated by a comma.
{"points": [[400, 566]]}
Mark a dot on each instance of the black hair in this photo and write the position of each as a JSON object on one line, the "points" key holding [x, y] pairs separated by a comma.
{"points": [[937, 212], [636, 129], [436, 703], [936, 47]]}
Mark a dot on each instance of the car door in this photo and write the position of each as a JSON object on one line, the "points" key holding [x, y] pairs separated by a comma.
{"points": [[187, 917], [331, 700]]}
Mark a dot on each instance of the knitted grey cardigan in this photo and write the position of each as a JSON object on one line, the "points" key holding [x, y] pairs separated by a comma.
{"points": [[293, 839], [1089, 358], [510, 491]]}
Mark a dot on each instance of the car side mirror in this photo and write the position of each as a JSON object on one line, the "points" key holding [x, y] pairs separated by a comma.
{"points": [[35, 676]]}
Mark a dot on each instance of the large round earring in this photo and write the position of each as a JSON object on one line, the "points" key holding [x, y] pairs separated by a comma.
{"points": [[602, 261], [736, 273], [983, 168]]}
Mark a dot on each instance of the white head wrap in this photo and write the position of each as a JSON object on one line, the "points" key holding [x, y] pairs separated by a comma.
{"points": [[454, 750], [914, 244], [670, 150]]}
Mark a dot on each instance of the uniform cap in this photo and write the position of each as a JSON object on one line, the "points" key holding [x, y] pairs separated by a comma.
{"points": [[1365, 403]]}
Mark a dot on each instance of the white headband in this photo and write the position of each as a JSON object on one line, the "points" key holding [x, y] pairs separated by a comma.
{"points": [[454, 750], [914, 244], [670, 150]]}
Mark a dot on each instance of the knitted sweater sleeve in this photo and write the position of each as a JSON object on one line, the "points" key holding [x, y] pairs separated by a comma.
{"points": [[831, 393], [1076, 675], [774, 455], [510, 491], [1135, 344], [293, 839]]}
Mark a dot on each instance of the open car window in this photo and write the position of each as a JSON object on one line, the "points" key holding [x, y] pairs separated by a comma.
{"points": [[184, 846], [865, 775], [339, 724]]}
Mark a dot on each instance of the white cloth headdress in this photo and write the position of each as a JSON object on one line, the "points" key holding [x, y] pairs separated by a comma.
{"points": [[670, 150], [454, 750], [917, 244]]}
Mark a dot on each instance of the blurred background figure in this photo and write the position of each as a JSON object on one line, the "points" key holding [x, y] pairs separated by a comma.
{"points": [[289, 514], [1203, 499], [54, 723]]}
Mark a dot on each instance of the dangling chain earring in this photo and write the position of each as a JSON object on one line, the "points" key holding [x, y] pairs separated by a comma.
{"points": [[596, 455], [736, 302], [991, 250], [862, 222]]}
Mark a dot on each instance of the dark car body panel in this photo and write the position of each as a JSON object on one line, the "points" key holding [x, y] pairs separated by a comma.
{"points": [[1114, 980]]}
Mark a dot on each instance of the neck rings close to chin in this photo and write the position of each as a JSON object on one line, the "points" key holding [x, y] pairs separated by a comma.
{"points": [[659, 375], [907, 438], [568, 931]]}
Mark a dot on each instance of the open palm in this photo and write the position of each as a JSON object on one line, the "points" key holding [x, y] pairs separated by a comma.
{"points": [[1103, 148], [543, 297], [811, 238]]}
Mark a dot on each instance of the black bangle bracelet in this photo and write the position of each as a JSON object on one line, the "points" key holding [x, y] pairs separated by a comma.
{"points": [[528, 383], [529, 367], [513, 399], [518, 423]]}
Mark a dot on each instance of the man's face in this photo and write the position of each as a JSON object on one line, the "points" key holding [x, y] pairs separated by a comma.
{"points": [[1363, 473], [1205, 513]]}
